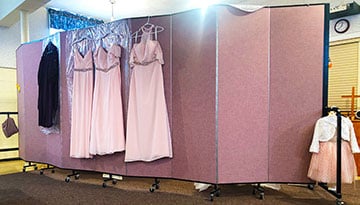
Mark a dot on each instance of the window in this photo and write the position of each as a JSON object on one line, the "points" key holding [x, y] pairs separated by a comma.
{"points": [[63, 20]]}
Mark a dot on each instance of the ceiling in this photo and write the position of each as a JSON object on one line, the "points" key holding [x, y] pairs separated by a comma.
{"points": [[105, 10]]}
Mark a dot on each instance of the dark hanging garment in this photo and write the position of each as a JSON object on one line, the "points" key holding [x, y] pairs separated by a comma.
{"points": [[48, 84]]}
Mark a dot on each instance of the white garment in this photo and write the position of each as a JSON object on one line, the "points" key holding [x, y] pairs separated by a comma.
{"points": [[325, 129], [276, 187]]}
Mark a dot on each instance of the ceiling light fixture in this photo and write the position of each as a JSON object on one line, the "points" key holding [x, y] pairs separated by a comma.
{"points": [[112, 2]]}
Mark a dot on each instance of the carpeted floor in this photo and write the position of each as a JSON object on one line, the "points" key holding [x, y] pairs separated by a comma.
{"points": [[50, 188]]}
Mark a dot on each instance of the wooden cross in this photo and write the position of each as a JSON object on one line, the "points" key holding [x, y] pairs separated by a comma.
{"points": [[352, 96]]}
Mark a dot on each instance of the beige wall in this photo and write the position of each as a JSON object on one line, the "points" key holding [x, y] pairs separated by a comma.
{"points": [[10, 37], [8, 103]]}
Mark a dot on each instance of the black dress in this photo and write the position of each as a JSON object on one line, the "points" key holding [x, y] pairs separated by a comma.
{"points": [[48, 83]]}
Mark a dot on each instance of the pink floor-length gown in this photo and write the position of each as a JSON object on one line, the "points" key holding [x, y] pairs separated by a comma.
{"points": [[107, 129], [81, 105], [148, 133]]}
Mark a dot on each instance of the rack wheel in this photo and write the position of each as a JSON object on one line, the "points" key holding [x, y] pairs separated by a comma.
{"points": [[77, 176], [104, 185], [211, 197], [114, 181], [339, 202], [157, 186], [151, 189], [52, 171], [217, 193], [67, 179], [254, 191], [23, 170], [35, 168], [311, 186], [41, 172], [262, 196]]}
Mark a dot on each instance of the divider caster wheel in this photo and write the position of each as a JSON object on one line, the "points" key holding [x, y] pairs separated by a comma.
{"points": [[154, 186], [217, 193], [262, 196], [41, 172], [35, 168], [23, 170], [67, 179], [114, 181], [339, 202], [77, 176], [52, 171], [311, 186], [104, 185], [211, 197]]}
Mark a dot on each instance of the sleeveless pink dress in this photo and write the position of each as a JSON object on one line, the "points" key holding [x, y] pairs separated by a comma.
{"points": [[107, 129], [81, 105], [148, 133]]}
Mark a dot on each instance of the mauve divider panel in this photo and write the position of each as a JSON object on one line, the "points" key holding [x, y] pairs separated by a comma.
{"points": [[243, 95], [193, 108], [20, 75], [33, 143], [161, 167], [27, 57], [296, 68]]}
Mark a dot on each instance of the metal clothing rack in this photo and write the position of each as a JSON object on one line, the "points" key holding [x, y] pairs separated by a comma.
{"points": [[9, 149], [337, 191]]}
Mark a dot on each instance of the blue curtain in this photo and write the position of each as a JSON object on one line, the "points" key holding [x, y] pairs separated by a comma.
{"points": [[67, 21]]}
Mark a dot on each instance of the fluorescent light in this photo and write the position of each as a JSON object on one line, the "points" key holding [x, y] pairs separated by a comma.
{"points": [[203, 4]]}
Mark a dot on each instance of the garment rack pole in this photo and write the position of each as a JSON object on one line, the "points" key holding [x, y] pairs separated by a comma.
{"points": [[337, 192], [338, 159]]}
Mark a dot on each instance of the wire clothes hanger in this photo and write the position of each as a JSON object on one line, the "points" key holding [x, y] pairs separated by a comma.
{"points": [[111, 35], [81, 39], [148, 27], [83, 48]]}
